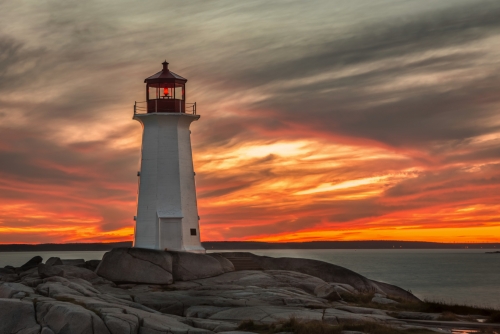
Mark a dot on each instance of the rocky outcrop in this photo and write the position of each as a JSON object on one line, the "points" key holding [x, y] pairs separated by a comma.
{"points": [[258, 278], [49, 271], [382, 300], [18, 316], [45, 271], [73, 262], [327, 291], [14, 290], [202, 294], [327, 272], [59, 286], [69, 318], [233, 289], [92, 264], [191, 266], [146, 266], [33, 263], [136, 265], [53, 261], [361, 310], [395, 291], [417, 315]]}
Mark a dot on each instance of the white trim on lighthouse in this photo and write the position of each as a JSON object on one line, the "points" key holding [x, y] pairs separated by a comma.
{"points": [[167, 211]]}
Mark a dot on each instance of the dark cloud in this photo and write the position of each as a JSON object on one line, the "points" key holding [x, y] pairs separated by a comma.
{"points": [[405, 35], [17, 63], [421, 114]]}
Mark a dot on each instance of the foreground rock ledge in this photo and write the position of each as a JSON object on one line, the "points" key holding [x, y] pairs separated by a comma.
{"points": [[146, 291], [146, 266]]}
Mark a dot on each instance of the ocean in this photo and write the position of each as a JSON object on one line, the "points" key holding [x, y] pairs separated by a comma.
{"points": [[463, 276]]}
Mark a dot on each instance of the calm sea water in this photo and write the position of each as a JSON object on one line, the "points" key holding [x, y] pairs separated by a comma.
{"points": [[461, 276]]}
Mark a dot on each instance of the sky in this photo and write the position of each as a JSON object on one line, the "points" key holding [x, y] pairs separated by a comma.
{"points": [[320, 120]]}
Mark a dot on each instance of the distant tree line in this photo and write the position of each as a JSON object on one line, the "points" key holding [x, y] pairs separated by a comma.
{"points": [[249, 245]]}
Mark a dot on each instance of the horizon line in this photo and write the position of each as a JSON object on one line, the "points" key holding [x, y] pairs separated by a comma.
{"points": [[266, 242]]}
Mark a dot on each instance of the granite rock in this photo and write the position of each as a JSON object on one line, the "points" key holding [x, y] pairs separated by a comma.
{"points": [[327, 272], [177, 302], [7, 270], [55, 286], [264, 278], [244, 332], [18, 317], [9, 277], [68, 318], [361, 310], [8, 290], [136, 265], [65, 271], [47, 330], [92, 264], [192, 266], [73, 262], [383, 301], [32, 263], [267, 314], [327, 291], [32, 272], [417, 315], [53, 261], [212, 325], [215, 299], [45, 270], [120, 323]]}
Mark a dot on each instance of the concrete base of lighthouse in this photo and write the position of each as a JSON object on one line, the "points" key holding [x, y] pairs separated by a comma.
{"points": [[167, 212]]}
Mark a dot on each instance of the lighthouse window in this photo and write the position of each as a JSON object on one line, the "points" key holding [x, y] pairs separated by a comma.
{"points": [[154, 93], [193, 231], [179, 94]]}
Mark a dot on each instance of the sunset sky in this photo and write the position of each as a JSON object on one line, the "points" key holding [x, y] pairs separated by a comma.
{"points": [[320, 120]]}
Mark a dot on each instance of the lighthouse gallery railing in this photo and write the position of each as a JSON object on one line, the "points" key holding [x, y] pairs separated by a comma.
{"points": [[142, 108]]}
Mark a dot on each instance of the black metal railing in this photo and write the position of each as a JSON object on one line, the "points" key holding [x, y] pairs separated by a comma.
{"points": [[142, 108], [191, 107]]}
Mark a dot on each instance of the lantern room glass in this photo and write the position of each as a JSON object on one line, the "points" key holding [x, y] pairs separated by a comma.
{"points": [[166, 96], [174, 91]]}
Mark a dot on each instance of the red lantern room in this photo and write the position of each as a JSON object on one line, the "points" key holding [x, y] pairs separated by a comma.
{"points": [[166, 93]]}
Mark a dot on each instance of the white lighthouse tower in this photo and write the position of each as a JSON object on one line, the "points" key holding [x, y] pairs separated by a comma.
{"points": [[167, 212]]}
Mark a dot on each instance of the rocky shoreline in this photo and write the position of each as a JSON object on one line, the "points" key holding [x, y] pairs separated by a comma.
{"points": [[150, 292]]}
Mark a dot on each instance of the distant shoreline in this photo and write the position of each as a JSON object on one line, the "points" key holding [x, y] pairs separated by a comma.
{"points": [[252, 245]]}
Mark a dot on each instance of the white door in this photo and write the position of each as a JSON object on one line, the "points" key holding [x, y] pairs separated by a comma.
{"points": [[171, 234]]}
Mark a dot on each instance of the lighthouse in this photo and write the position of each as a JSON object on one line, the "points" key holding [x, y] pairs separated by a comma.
{"points": [[167, 212]]}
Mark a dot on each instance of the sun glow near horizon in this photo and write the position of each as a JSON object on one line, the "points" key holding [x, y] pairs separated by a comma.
{"points": [[279, 192]]}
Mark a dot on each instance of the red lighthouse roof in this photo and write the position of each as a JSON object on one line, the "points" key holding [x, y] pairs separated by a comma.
{"points": [[165, 75]]}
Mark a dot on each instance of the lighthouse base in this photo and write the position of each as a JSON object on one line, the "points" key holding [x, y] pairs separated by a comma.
{"points": [[199, 250], [170, 237]]}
